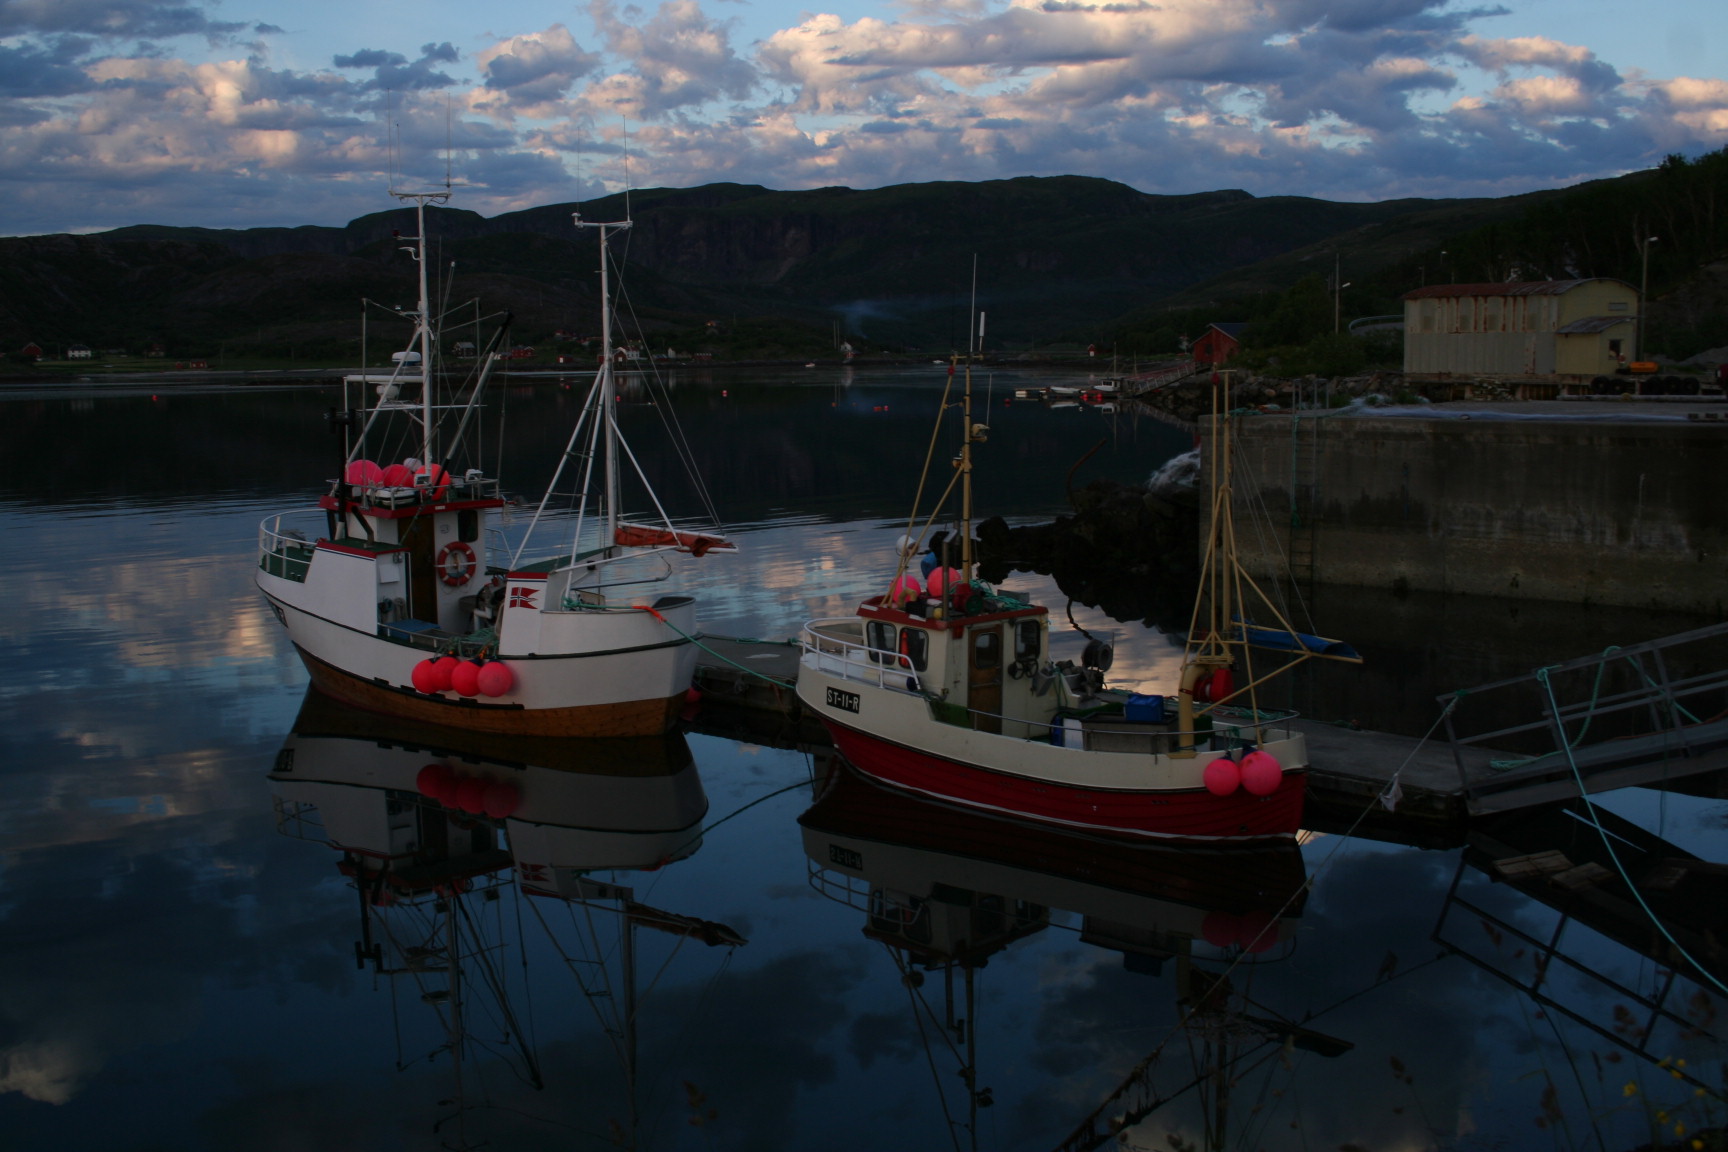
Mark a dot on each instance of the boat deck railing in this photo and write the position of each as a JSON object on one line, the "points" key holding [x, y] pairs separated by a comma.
{"points": [[285, 548], [837, 647]]}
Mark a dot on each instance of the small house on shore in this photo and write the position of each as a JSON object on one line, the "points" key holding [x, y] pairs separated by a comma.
{"points": [[1219, 343], [1579, 328]]}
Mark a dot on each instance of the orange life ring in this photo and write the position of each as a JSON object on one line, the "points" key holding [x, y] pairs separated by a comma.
{"points": [[457, 564]]}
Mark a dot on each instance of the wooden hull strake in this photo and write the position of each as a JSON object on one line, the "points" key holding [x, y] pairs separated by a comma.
{"points": [[625, 718], [1170, 814]]}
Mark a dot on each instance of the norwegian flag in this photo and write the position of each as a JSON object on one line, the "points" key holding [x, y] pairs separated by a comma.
{"points": [[522, 596]]}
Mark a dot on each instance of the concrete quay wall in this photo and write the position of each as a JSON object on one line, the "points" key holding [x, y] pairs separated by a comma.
{"points": [[1526, 501]]}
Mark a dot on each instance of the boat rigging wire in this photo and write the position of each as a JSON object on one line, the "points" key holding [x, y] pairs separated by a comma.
{"points": [[929, 1059]]}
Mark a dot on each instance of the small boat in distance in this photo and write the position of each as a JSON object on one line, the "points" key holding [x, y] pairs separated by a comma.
{"points": [[402, 595], [947, 689]]}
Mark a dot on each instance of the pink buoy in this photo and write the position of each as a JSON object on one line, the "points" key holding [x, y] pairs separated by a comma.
{"points": [[495, 678], [905, 587], [470, 794], [1255, 931], [1219, 929], [1222, 777], [362, 473], [435, 780], [397, 476], [465, 678], [692, 695], [432, 478], [940, 579], [1222, 684], [501, 799], [425, 676], [443, 669], [1261, 773]]}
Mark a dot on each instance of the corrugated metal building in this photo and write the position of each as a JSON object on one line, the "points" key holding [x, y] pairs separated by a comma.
{"points": [[1538, 328]]}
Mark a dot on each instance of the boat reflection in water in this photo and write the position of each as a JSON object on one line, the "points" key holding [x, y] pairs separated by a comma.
{"points": [[944, 888], [440, 829]]}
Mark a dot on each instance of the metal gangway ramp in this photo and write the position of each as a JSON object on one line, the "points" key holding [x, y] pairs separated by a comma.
{"points": [[1638, 715]]}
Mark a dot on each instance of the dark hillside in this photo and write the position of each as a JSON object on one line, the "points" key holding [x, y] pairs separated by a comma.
{"points": [[1054, 256], [1057, 259]]}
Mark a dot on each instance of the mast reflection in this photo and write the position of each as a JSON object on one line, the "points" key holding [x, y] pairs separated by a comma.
{"points": [[441, 832], [945, 888]]}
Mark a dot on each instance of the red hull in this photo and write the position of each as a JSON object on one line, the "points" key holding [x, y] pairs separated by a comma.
{"points": [[1194, 814]]}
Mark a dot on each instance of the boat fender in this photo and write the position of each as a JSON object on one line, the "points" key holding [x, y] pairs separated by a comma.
{"points": [[457, 563], [363, 474], [1261, 773], [435, 780], [444, 670], [905, 588], [465, 679], [1221, 777], [424, 676], [500, 799], [1219, 929], [1098, 654], [939, 580], [470, 794], [495, 678], [1256, 931]]}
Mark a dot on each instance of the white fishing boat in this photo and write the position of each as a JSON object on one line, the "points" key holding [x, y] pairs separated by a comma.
{"points": [[402, 595], [947, 689]]}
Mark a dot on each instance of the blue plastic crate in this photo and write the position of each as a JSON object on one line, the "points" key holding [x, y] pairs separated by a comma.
{"points": [[1144, 709]]}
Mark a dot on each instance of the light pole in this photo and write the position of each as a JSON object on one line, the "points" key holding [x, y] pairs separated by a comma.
{"points": [[1643, 289]]}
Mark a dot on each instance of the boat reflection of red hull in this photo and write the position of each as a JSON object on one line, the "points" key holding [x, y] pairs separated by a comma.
{"points": [[1232, 877], [1177, 815]]}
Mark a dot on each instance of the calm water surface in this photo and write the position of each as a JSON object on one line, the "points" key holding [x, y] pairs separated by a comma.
{"points": [[184, 964]]}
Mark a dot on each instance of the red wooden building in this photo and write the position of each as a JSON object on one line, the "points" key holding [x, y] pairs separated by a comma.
{"points": [[1218, 343]]}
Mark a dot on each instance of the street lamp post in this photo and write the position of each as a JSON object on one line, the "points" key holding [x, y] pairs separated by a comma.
{"points": [[1643, 291]]}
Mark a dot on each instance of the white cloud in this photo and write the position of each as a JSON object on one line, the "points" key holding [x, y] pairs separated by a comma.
{"points": [[1355, 99]]}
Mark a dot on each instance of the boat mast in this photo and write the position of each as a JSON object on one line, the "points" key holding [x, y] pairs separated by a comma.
{"points": [[423, 315], [607, 391], [973, 433]]}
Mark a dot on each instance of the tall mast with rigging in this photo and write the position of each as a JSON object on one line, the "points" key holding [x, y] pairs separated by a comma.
{"points": [[423, 314], [608, 399]]}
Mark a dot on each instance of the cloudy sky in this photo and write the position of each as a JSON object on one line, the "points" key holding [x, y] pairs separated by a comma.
{"points": [[264, 112]]}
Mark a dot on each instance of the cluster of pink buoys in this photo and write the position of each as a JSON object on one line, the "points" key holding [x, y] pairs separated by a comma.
{"points": [[1259, 774], [475, 795], [1251, 931], [367, 474], [463, 677]]}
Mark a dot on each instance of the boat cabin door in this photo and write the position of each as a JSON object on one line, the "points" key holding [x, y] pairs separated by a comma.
{"points": [[984, 677]]}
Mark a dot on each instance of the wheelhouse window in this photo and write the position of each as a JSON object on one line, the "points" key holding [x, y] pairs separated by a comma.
{"points": [[915, 646], [987, 649], [879, 635], [1026, 641]]}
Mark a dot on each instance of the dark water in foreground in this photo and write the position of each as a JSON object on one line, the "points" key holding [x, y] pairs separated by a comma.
{"points": [[178, 968]]}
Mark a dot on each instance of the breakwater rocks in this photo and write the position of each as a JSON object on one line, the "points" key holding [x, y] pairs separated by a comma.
{"points": [[1128, 551]]}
